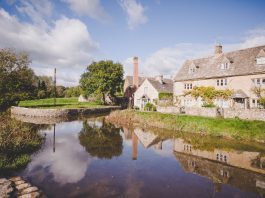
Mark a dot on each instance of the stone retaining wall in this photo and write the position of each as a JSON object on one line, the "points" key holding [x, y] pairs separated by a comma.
{"points": [[36, 112], [169, 109], [247, 114], [201, 111]]}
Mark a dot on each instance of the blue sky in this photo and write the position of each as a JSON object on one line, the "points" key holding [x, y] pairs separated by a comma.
{"points": [[69, 34]]}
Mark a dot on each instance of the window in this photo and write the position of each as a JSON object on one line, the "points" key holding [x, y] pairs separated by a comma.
{"points": [[188, 86], [192, 69], [221, 157], [221, 82], [225, 66], [261, 61], [259, 81]]}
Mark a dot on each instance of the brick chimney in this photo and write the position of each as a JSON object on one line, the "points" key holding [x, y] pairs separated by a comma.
{"points": [[135, 72], [134, 146], [218, 49]]}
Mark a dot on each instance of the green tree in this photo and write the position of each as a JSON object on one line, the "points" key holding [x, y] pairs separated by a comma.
{"points": [[73, 91], [103, 77], [102, 142], [16, 78]]}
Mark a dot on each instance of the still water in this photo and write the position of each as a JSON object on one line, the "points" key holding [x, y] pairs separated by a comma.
{"points": [[93, 158]]}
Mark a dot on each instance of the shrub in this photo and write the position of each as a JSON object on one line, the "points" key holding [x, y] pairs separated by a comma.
{"points": [[208, 105], [165, 96], [149, 107]]}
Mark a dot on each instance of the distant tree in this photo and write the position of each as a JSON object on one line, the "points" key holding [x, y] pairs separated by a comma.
{"points": [[103, 77], [73, 91], [60, 91], [16, 78]]}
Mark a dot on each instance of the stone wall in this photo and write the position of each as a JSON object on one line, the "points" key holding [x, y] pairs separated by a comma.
{"points": [[201, 111], [35, 112], [246, 114], [195, 111], [169, 109]]}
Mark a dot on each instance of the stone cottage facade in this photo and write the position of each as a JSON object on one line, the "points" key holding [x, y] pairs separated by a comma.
{"points": [[150, 89], [239, 71]]}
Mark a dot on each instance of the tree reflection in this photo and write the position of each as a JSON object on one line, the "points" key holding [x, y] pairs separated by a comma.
{"points": [[101, 141]]}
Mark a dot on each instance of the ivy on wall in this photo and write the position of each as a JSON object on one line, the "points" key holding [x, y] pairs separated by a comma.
{"points": [[208, 94]]}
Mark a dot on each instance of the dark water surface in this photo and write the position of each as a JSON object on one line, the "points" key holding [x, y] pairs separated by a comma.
{"points": [[92, 158]]}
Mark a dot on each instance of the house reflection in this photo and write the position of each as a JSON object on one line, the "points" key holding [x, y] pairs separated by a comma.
{"points": [[242, 169], [146, 138]]}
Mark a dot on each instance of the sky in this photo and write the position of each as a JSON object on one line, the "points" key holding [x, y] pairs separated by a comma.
{"points": [[71, 34]]}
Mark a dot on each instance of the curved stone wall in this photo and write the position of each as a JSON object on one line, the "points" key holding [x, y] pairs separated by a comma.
{"points": [[55, 113]]}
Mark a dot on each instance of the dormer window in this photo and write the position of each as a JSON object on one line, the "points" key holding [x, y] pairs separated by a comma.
{"points": [[261, 61], [225, 66], [261, 57], [193, 68]]}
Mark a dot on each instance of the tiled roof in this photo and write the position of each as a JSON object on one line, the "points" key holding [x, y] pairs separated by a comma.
{"points": [[242, 62], [165, 87]]}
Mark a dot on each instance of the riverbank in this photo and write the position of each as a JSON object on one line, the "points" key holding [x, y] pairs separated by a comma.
{"points": [[48, 103], [227, 128], [18, 141], [62, 112]]}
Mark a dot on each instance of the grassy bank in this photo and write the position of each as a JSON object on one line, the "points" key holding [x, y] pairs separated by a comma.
{"points": [[17, 141], [60, 103], [229, 128]]}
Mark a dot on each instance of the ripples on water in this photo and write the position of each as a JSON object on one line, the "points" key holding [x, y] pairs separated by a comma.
{"points": [[93, 158]]}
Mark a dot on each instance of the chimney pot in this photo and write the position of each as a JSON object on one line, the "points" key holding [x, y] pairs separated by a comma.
{"points": [[159, 79], [218, 49]]}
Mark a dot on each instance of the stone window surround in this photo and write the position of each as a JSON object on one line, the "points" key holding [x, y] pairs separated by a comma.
{"points": [[188, 86], [224, 66], [221, 82]]}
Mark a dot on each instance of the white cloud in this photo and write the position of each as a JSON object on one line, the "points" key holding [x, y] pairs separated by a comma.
{"points": [[168, 60], [66, 44], [36, 10], [91, 8], [135, 12], [69, 162]]}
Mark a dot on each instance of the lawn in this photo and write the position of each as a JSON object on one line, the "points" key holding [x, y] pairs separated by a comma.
{"points": [[229, 128], [60, 103]]}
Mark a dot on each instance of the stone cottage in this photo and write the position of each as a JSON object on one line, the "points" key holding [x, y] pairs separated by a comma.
{"points": [[150, 89], [239, 71]]}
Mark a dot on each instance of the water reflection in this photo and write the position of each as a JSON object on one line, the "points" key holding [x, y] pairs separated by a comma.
{"points": [[96, 159], [102, 140], [61, 156], [223, 166]]}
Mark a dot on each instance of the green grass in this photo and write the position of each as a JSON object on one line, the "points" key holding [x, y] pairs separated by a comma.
{"points": [[229, 128], [60, 103]]}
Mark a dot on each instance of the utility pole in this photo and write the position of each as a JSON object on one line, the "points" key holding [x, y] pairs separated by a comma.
{"points": [[54, 83], [54, 137]]}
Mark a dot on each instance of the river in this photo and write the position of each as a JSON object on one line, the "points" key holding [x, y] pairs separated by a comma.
{"points": [[93, 158]]}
